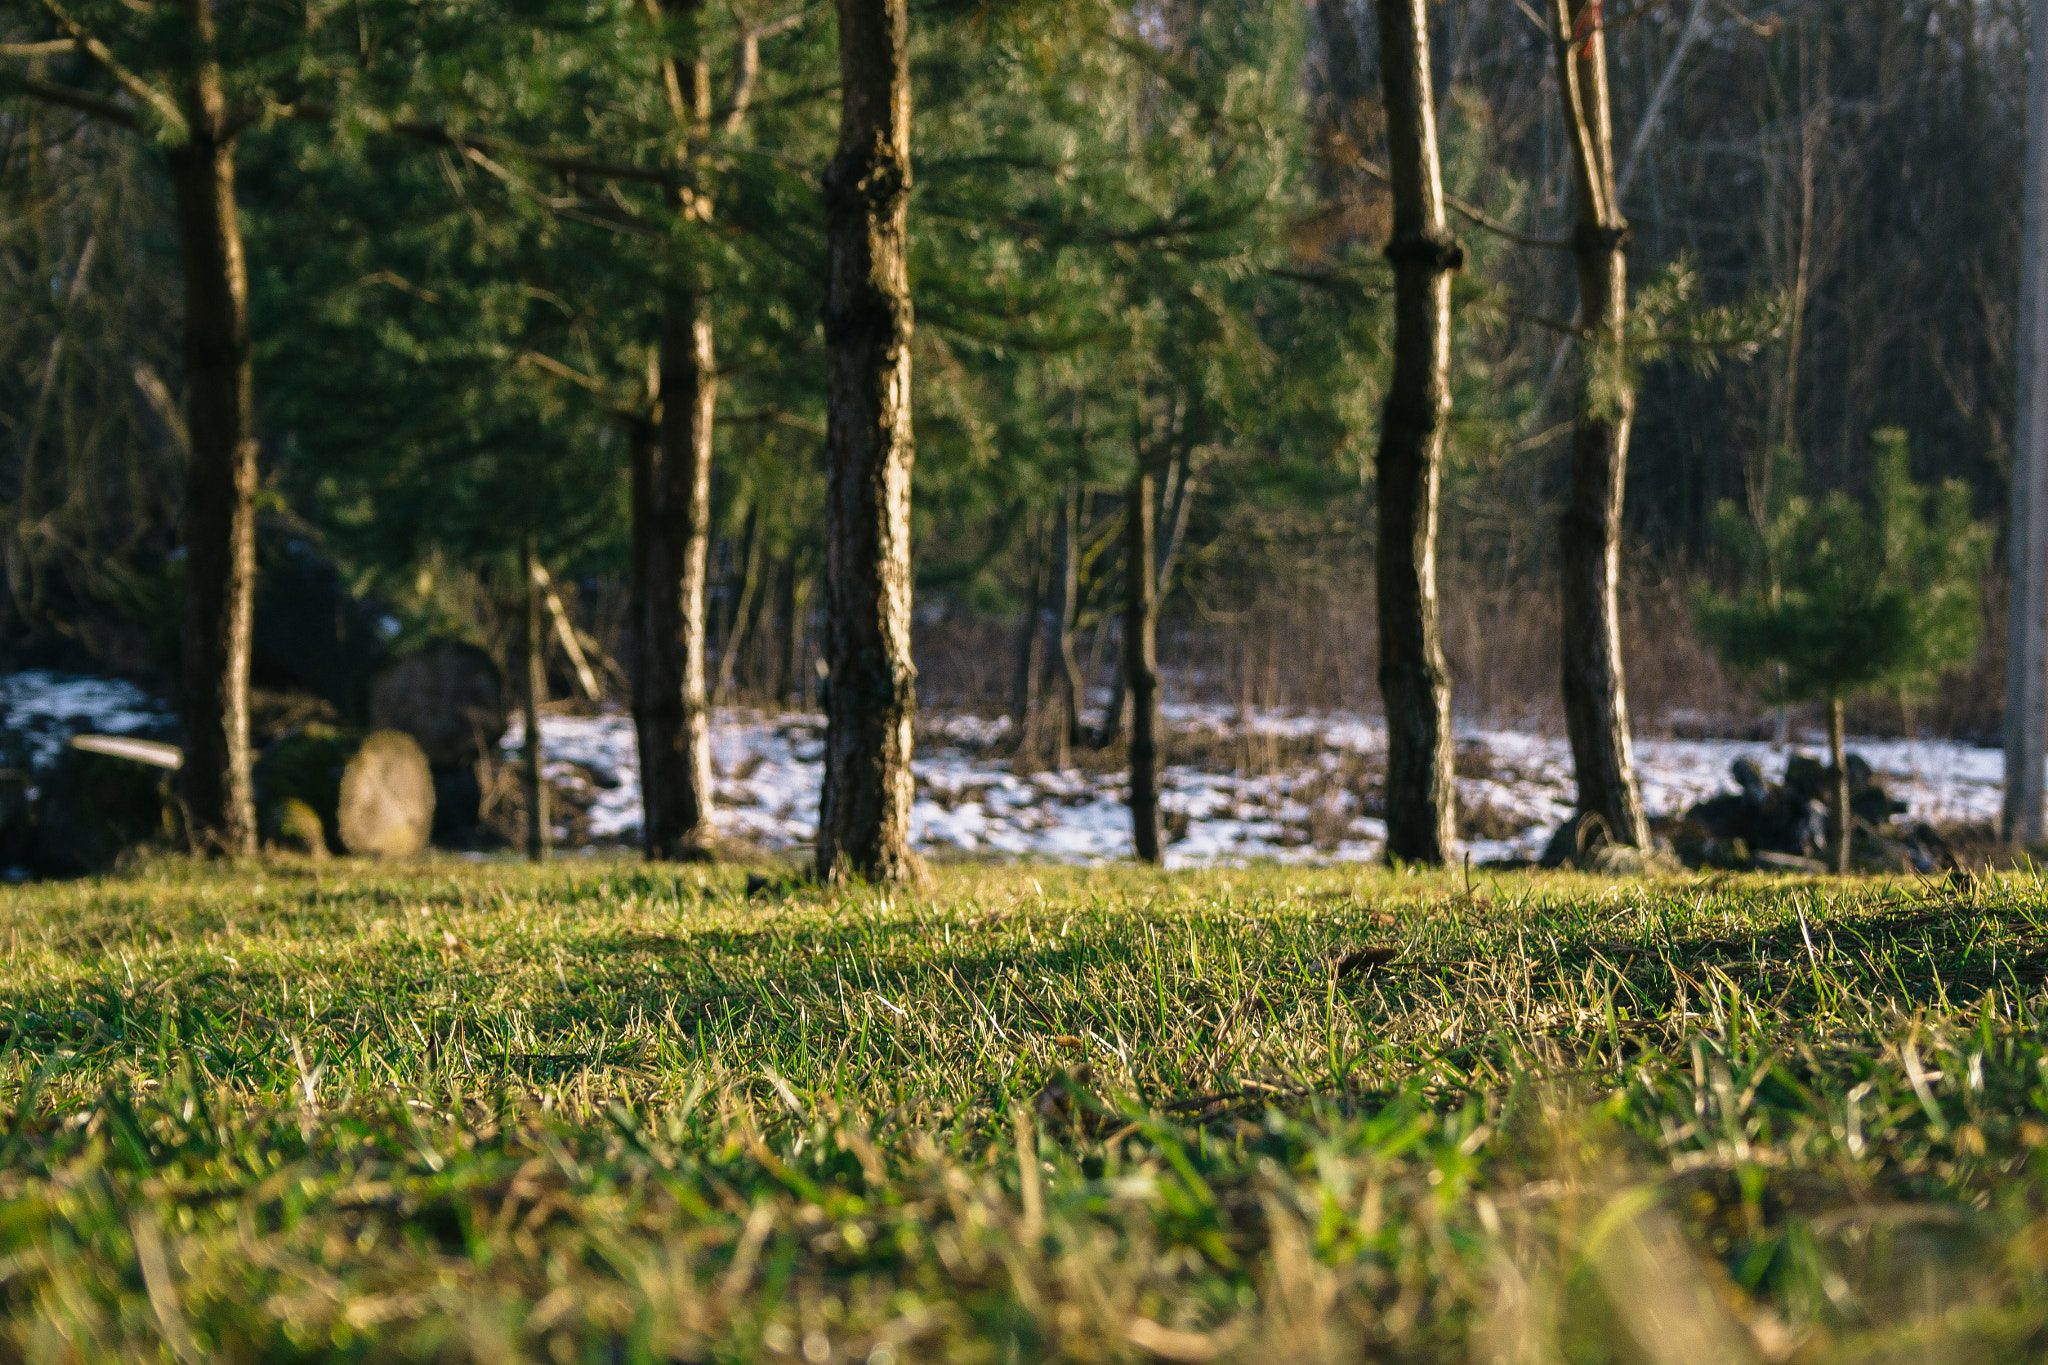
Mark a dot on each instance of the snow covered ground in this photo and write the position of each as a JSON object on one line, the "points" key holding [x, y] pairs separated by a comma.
{"points": [[45, 709], [1297, 793], [1307, 810]]}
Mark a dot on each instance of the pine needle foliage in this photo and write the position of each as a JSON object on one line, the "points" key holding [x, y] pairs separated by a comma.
{"points": [[1845, 597]]}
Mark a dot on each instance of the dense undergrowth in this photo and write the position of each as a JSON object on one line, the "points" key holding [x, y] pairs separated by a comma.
{"points": [[601, 1112]]}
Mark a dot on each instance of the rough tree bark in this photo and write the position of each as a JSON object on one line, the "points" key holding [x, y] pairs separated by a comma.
{"points": [[675, 739], [864, 814], [644, 444], [220, 480], [536, 686], [672, 712], [1141, 667], [220, 491], [1415, 685], [2026, 679], [1603, 406]]}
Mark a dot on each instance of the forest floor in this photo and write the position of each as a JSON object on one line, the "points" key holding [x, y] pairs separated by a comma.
{"points": [[601, 1111]]}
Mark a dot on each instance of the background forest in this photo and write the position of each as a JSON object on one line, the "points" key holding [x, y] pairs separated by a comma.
{"points": [[1148, 231]]}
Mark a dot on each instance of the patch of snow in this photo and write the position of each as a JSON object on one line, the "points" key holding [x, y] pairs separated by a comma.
{"points": [[46, 709], [768, 770]]}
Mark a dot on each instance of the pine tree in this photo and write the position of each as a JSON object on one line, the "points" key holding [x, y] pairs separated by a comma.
{"points": [[1847, 599], [192, 81]]}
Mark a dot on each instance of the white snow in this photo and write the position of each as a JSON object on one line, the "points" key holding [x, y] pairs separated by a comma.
{"points": [[768, 768], [969, 803], [46, 709]]}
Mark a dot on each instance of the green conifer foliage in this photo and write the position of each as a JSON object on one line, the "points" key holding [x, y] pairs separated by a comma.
{"points": [[1846, 598]]}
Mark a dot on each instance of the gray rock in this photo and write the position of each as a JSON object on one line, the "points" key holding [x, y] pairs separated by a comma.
{"points": [[387, 798]]}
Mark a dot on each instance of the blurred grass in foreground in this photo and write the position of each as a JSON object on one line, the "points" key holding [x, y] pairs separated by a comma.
{"points": [[609, 1113]]}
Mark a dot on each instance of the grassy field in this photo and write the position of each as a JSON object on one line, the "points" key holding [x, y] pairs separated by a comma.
{"points": [[600, 1112]]}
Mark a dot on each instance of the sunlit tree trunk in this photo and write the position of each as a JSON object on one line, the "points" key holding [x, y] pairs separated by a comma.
{"points": [[871, 693], [1415, 685], [644, 446], [220, 481], [1603, 406], [676, 774], [672, 709]]}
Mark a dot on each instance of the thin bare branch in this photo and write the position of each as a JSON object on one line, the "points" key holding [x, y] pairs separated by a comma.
{"points": [[1475, 214]]}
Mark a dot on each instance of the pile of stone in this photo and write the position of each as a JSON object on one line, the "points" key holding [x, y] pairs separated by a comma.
{"points": [[436, 717], [1785, 825], [74, 801]]}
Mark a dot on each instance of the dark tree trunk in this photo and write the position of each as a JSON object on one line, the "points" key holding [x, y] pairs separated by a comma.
{"points": [[1415, 686], [532, 693], [1595, 702], [1838, 753], [644, 439], [675, 741], [674, 715], [1071, 684], [1141, 668], [220, 488], [864, 816]]}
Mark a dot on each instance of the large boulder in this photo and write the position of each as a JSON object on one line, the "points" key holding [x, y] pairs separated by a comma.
{"points": [[450, 697], [387, 798]]}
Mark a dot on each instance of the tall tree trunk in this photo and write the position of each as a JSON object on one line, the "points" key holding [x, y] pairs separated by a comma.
{"points": [[644, 443], [1071, 684], [1603, 405], [864, 816], [220, 484], [1838, 754], [1141, 667], [675, 777], [531, 694], [1415, 686], [2026, 677], [673, 715]]}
